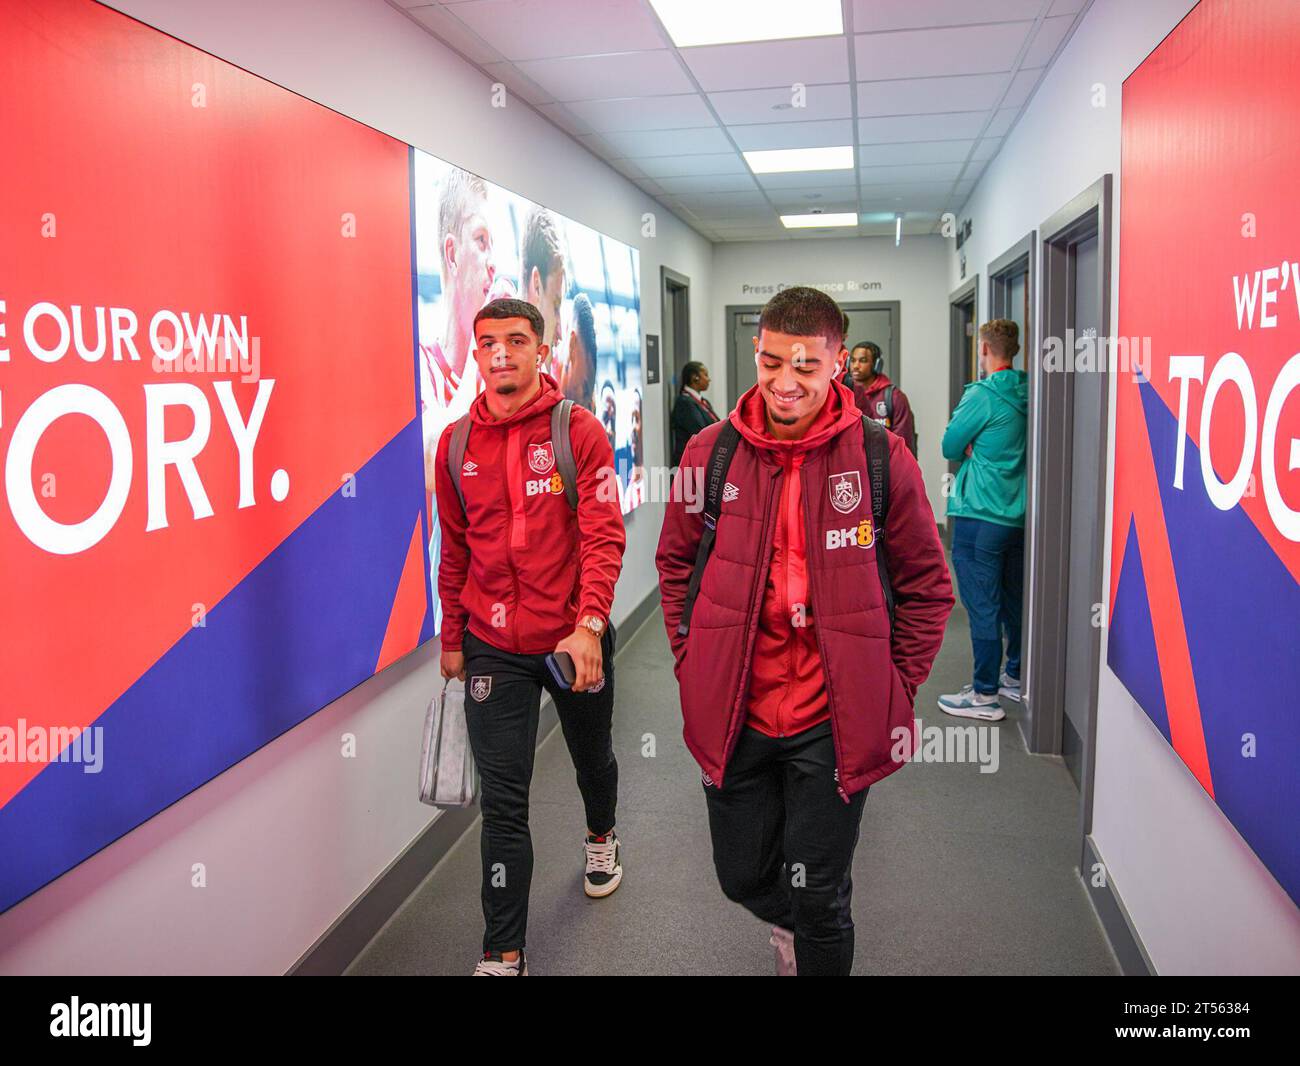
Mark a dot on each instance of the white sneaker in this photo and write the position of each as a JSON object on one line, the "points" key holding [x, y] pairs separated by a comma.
{"points": [[783, 941], [1009, 687], [971, 704], [493, 965], [604, 872]]}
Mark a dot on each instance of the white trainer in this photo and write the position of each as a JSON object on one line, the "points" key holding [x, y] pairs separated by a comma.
{"points": [[493, 965], [604, 872], [971, 704]]}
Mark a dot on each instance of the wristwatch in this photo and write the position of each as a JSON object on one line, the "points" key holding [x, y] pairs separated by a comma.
{"points": [[593, 623]]}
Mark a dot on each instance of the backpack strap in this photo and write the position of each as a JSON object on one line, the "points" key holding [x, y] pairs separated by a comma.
{"points": [[715, 475], [876, 440], [456, 453], [890, 389], [561, 414]]}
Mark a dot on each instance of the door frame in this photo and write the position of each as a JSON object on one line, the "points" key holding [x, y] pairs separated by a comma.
{"points": [[1023, 252], [670, 349], [894, 307], [968, 292], [1051, 401]]}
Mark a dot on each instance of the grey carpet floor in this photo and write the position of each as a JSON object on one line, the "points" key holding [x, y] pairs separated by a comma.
{"points": [[956, 872]]}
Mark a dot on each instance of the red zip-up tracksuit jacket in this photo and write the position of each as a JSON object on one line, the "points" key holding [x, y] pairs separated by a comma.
{"points": [[519, 566], [796, 522]]}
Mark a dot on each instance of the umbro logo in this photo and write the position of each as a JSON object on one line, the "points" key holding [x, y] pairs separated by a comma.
{"points": [[470, 469], [730, 492]]}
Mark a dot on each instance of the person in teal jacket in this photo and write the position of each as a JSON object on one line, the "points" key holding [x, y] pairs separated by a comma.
{"points": [[987, 510]]}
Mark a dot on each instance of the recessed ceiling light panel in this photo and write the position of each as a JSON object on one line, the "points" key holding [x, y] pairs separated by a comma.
{"points": [[844, 218], [697, 22], [784, 160]]}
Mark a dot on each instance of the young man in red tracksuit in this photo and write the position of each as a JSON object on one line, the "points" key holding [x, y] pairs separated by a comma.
{"points": [[523, 574], [792, 685], [873, 395]]}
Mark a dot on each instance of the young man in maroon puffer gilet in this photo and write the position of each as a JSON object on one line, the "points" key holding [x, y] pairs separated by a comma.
{"points": [[795, 688]]}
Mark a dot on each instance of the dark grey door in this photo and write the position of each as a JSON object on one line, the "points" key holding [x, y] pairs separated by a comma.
{"points": [[744, 328], [1088, 424]]}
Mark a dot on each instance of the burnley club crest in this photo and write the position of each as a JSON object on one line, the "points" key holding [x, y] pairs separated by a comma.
{"points": [[846, 490], [541, 458]]}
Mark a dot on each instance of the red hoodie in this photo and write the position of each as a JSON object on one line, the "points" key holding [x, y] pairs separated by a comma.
{"points": [[871, 672], [871, 402], [787, 687], [524, 566]]}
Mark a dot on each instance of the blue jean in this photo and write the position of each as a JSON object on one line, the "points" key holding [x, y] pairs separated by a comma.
{"points": [[989, 562]]}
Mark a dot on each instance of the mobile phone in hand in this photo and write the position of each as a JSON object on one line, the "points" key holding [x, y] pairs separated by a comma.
{"points": [[560, 663]]}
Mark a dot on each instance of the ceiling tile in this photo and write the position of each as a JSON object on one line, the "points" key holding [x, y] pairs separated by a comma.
{"points": [[904, 191], [1049, 37], [649, 113], [638, 143], [675, 166], [953, 125], [809, 179], [986, 149], [737, 216], [539, 29], [454, 33], [807, 199], [608, 76], [775, 105], [918, 96], [699, 183], [719, 202], [626, 167], [932, 200], [932, 53], [869, 15], [566, 120], [914, 152], [1022, 85], [601, 147], [927, 172], [518, 84], [1001, 124], [974, 170], [769, 64], [793, 135]]}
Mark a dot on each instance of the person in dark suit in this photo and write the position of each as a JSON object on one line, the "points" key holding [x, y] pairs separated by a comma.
{"points": [[691, 412]]}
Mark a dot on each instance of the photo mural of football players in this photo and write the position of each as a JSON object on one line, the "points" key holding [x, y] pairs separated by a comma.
{"points": [[542, 276], [636, 487], [466, 270], [475, 242], [579, 381]]}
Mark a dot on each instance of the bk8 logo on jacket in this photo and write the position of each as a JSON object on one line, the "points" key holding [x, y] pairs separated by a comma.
{"points": [[863, 535], [553, 485]]}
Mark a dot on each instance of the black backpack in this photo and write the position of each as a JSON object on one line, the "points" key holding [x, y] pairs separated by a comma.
{"points": [[876, 440]]}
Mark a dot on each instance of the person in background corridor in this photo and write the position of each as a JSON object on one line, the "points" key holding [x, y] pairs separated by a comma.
{"points": [[692, 412], [795, 675], [523, 573], [876, 396], [987, 509]]}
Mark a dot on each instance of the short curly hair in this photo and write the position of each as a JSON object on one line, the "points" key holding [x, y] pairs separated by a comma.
{"points": [[802, 311], [508, 307], [1003, 336]]}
